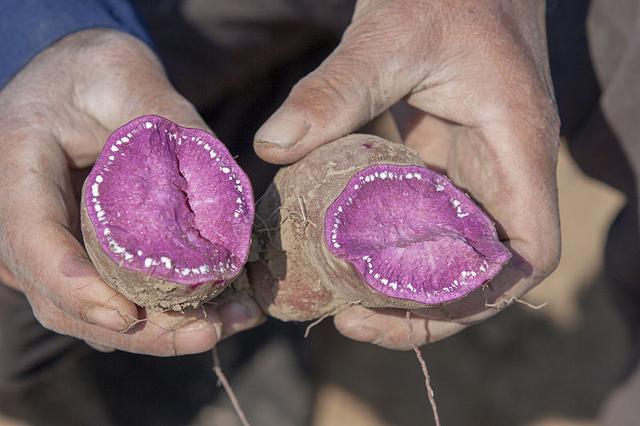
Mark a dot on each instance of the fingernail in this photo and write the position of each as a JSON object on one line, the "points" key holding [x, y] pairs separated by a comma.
{"points": [[105, 317], [195, 337], [241, 312], [285, 128]]}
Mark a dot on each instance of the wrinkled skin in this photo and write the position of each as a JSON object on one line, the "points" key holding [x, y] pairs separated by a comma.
{"points": [[55, 115], [297, 276], [475, 73]]}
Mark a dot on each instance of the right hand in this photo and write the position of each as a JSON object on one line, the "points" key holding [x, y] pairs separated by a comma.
{"points": [[55, 116]]}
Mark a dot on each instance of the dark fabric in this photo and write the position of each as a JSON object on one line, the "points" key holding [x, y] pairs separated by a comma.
{"points": [[574, 80], [28, 26]]}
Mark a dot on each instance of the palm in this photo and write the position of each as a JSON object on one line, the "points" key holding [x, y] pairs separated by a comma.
{"points": [[471, 160]]}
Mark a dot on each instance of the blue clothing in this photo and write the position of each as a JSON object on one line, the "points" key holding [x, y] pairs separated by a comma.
{"points": [[29, 26]]}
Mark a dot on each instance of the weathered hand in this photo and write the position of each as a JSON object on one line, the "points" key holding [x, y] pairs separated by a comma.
{"points": [[54, 118], [476, 73]]}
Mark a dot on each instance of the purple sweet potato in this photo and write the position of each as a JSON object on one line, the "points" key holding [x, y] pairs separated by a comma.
{"points": [[166, 214], [363, 220]]}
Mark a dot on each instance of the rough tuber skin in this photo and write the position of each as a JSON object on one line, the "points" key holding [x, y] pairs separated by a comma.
{"points": [[166, 214], [362, 220]]}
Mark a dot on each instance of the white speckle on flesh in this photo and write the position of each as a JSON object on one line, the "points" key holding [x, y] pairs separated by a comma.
{"points": [[99, 179], [394, 285], [212, 154], [111, 157], [225, 170], [124, 139], [439, 187], [384, 281], [139, 252], [106, 231], [148, 262], [114, 148], [148, 125]]}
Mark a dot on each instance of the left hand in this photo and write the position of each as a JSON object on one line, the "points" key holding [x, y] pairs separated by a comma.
{"points": [[477, 73]]}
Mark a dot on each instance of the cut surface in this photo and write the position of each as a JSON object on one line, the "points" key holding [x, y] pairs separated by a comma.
{"points": [[170, 202], [411, 234]]}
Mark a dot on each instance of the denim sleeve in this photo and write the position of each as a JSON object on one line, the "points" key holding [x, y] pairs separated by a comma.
{"points": [[29, 26]]}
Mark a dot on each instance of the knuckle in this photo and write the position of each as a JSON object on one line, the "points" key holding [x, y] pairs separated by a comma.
{"points": [[45, 318], [546, 259], [322, 93]]}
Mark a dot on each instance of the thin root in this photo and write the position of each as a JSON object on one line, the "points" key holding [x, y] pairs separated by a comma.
{"points": [[138, 321], [506, 302], [227, 387], [325, 316], [300, 216], [316, 322], [425, 372]]}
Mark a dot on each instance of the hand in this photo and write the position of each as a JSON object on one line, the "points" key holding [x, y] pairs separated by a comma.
{"points": [[476, 74], [54, 118]]}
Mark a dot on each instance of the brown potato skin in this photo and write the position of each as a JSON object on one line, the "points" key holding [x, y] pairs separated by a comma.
{"points": [[149, 292], [296, 278]]}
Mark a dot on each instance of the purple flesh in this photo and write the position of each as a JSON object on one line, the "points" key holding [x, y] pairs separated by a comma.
{"points": [[170, 202], [411, 234]]}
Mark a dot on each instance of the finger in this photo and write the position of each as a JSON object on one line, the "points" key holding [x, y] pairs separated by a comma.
{"points": [[239, 314], [140, 88], [159, 334], [383, 126], [99, 347], [389, 328], [363, 77], [7, 278], [38, 247]]}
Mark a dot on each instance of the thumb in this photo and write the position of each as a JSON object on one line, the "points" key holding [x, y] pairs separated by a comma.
{"points": [[363, 77], [127, 81]]}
